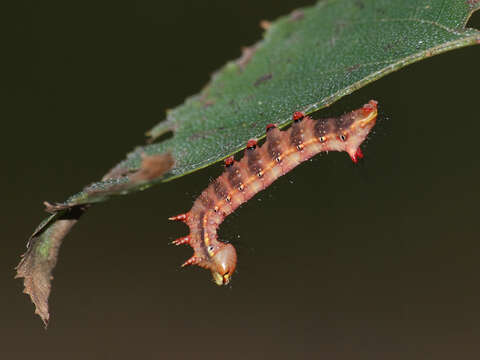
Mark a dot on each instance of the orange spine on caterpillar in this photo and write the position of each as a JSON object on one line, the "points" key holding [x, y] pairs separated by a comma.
{"points": [[281, 152]]}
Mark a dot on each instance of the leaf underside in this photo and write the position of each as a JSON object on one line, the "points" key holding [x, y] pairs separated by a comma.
{"points": [[306, 61]]}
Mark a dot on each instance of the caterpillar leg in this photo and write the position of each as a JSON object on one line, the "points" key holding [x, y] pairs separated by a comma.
{"points": [[182, 240], [181, 217], [192, 261]]}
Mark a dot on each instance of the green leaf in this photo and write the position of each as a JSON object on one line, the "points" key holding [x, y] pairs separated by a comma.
{"points": [[306, 61]]}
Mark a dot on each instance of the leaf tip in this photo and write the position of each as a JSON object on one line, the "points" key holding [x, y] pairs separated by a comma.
{"points": [[38, 294]]}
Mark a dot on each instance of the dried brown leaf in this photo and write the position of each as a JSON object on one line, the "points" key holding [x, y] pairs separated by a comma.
{"points": [[37, 263], [153, 167]]}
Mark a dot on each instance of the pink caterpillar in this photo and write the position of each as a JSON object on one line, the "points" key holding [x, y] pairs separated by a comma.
{"points": [[281, 152]]}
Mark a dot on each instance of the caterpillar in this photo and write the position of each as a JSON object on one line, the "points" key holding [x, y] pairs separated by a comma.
{"points": [[260, 166]]}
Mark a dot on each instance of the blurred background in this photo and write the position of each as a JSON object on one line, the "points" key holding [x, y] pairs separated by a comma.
{"points": [[336, 261]]}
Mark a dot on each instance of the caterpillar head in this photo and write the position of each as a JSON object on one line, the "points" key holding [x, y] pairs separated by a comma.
{"points": [[222, 263], [221, 260]]}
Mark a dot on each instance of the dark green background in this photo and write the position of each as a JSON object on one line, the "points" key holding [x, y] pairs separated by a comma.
{"points": [[336, 261]]}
